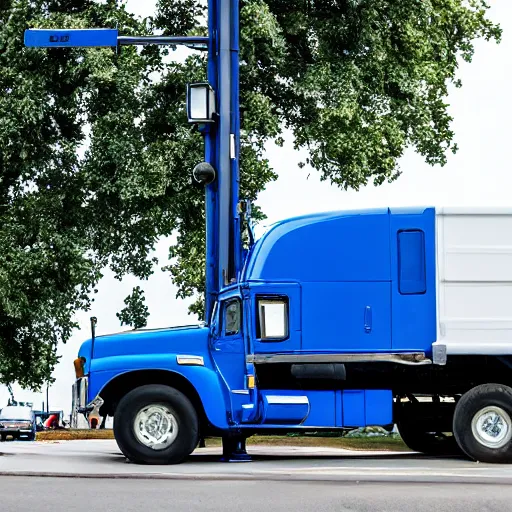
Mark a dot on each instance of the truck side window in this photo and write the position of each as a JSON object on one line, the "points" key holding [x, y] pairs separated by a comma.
{"points": [[272, 319], [411, 262], [232, 317]]}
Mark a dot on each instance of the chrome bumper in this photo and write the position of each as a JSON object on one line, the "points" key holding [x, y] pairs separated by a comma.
{"points": [[82, 412]]}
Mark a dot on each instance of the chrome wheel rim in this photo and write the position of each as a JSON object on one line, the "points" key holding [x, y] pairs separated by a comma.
{"points": [[492, 427], [155, 426]]}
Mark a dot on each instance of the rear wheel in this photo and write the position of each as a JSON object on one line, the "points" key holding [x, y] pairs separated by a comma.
{"points": [[483, 423], [156, 424]]}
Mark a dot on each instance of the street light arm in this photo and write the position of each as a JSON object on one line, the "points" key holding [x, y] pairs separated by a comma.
{"points": [[82, 38], [196, 42]]}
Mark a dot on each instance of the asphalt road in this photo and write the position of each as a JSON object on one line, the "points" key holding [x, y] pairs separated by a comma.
{"points": [[21, 494]]}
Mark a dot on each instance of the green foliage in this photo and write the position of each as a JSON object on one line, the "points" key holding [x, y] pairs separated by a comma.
{"points": [[95, 157], [359, 81], [65, 217], [136, 312]]}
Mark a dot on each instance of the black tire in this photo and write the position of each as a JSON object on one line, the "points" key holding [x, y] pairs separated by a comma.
{"points": [[3, 437], [475, 401], [429, 443], [180, 407]]}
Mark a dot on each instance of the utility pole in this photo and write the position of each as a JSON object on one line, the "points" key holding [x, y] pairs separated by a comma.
{"points": [[221, 127]]}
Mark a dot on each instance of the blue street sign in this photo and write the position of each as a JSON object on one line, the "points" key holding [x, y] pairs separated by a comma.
{"points": [[61, 38]]}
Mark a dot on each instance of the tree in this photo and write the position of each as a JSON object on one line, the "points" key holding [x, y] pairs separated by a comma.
{"points": [[95, 157]]}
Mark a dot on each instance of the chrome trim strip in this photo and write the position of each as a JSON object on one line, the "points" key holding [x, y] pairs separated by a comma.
{"points": [[409, 358], [240, 391], [286, 400], [190, 360]]}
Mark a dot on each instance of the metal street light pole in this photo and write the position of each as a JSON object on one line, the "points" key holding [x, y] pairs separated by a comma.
{"points": [[226, 142], [223, 240], [211, 152]]}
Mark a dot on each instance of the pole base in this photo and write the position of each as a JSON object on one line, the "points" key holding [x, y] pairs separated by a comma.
{"points": [[233, 450]]}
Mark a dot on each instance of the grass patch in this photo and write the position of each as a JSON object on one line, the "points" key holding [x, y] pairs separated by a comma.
{"points": [[74, 435], [348, 443], [354, 443]]}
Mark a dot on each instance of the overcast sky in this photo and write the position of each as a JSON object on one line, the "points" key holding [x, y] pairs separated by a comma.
{"points": [[479, 174]]}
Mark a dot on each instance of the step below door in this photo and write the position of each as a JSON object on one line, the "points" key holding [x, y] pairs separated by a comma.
{"points": [[302, 408]]}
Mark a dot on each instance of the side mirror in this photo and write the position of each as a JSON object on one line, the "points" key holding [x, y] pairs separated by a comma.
{"points": [[214, 325], [214, 329]]}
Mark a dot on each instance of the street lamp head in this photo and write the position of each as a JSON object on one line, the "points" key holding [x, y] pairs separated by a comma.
{"points": [[203, 173], [201, 106]]}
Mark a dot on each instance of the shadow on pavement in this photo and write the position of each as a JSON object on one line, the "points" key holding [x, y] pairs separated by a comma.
{"points": [[209, 458], [118, 457]]}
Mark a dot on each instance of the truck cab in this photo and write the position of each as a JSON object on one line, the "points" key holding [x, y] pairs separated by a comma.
{"points": [[332, 325]]}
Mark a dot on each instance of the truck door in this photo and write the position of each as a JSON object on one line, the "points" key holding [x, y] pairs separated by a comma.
{"points": [[347, 299], [228, 349], [346, 317], [413, 292], [227, 343]]}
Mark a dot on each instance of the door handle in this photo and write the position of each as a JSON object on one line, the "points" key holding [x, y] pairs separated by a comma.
{"points": [[368, 319]]}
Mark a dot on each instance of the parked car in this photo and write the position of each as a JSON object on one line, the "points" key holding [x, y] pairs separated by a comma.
{"points": [[18, 422]]}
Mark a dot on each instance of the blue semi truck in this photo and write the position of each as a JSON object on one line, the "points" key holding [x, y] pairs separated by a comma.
{"points": [[327, 322], [338, 320]]}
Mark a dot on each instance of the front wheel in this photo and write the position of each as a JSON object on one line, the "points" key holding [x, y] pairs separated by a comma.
{"points": [[482, 423], [156, 424]]}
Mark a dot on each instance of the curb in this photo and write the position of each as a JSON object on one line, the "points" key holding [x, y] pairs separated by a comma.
{"points": [[283, 477]]}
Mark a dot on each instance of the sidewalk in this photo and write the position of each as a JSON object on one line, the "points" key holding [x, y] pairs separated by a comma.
{"points": [[102, 459]]}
